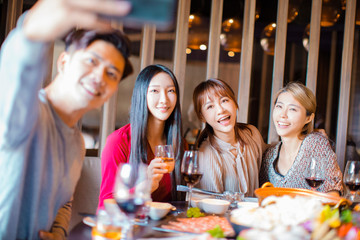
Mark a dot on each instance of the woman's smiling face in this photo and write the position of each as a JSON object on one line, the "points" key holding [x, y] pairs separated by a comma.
{"points": [[220, 113], [161, 96], [289, 116]]}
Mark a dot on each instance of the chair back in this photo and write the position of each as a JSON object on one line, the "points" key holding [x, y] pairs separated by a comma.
{"points": [[86, 195]]}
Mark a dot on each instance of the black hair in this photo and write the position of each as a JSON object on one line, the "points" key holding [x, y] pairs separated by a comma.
{"points": [[139, 114], [80, 39]]}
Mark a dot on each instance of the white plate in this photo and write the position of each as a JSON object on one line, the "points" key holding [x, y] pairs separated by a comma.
{"points": [[90, 221], [248, 204], [251, 199]]}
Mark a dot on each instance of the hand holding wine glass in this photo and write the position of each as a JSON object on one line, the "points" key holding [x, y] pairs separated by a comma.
{"points": [[166, 153], [190, 170], [131, 191], [352, 179], [313, 175]]}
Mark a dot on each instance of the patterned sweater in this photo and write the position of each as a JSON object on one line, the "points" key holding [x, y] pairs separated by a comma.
{"points": [[314, 145]]}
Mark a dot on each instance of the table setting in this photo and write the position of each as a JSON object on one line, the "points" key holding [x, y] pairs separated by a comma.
{"points": [[275, 213], [271, 214]]}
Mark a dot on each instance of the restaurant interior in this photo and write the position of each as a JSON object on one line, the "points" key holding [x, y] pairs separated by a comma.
{"points": [[328, 73], [240, 42]]}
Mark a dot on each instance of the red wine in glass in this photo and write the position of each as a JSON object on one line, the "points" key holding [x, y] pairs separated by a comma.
{"points": [[190, 170], [130, 206], [353, 186], [314, 182], [131, 192], [352, 179], [313, 174], [192, 179]]}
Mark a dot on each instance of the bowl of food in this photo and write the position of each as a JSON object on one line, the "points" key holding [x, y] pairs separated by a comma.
{"points": [[214, 206], [268, 189], [158, 210]]}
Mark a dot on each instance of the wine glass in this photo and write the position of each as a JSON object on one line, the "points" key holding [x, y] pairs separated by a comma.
{"points": [[190, 170], [313, 175], [352, 179], [131, 191], [166, 153]]}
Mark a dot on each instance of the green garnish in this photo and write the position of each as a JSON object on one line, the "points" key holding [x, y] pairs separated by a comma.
{"points": [[346, 216], [240, 238], [216, 232], [194, 212]]}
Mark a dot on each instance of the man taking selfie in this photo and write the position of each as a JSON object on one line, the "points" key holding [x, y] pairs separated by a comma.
{"points": [[41, 149]]}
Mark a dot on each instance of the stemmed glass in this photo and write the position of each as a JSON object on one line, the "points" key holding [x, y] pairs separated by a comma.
{"points": [[313, 175], [352, 179], [190, 170], [131, 191], [166, 153]]}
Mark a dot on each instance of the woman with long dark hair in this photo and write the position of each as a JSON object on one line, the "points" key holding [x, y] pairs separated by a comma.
{"points": [[155, 119]]}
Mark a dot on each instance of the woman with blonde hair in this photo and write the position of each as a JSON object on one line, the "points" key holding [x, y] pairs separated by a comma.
{"points": [[229, 152], [284, 164]]}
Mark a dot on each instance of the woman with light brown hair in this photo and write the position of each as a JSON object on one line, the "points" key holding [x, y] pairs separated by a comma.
{"points": [[284, 164], [229, 152]]}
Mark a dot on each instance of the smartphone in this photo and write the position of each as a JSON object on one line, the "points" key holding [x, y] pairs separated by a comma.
{"points": [[162, 13]]}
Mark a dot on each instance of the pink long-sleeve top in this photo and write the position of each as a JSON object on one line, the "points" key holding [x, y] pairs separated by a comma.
{"points": [[116, 151]]}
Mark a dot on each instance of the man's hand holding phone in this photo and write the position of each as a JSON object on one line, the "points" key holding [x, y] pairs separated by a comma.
{"points": [[161, 13], [51, 19]]}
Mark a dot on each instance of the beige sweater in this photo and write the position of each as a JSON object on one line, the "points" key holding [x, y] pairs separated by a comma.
{"points": [[226, 172]]}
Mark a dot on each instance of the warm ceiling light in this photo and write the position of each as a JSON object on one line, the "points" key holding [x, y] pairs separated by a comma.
{"points": [[203, 47], [306, 36], [231, 32], [257, 12], [330, 12], [231, 54], [293, 10], [343, 4], [198, 32], [267, 40], [188, 50], [357, 19]]}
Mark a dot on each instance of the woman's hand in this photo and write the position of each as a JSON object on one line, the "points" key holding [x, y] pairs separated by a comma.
{"points": [[52, 19], [156, 171]]}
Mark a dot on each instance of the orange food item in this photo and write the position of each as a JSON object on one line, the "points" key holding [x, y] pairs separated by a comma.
{"points": [[344, 229]]}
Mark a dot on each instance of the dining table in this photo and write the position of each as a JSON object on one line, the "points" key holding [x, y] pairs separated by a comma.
{"points": [[143, 231]]}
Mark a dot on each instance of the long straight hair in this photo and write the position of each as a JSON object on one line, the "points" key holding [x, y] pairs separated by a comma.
{"points": [[139, 114], [215, 87]]}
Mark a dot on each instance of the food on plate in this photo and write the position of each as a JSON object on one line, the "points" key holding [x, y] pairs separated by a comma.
{"points": [[277, 218], [297, 218], [206, 236], [200, 225], [336, 224], [194, 213], [278, 211], [216, 232], [278, 233]]}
